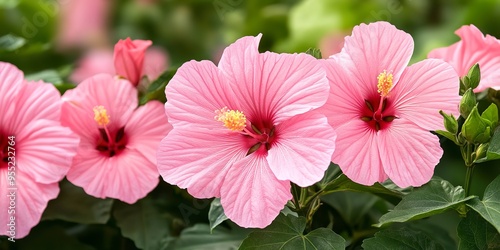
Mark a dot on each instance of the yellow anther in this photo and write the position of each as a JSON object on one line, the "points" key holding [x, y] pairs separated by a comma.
{"points": [[101, 116], [234, 120], [384, 83]]}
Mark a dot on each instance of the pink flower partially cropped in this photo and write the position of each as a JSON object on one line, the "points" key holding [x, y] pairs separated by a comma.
{"points": [[129, 58], [245, 129], [383, 110], [35, 150], [474, 48], [116, 156]]}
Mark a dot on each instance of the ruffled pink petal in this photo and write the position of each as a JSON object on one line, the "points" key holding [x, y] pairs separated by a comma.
{"points": [[287, 85], [408, 153], [194, 93], [345, 98], [251, 195], [303, 149], [45, 150], [127, 176], [31, 199], [118, 97], [95, 62], [473, 48], [357, 153], [36, 100], [147, 126], [199, 159], [377, 47], [425, 88], [11, 80]]}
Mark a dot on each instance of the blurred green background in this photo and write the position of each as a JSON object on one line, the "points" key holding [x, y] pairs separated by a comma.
{"points": [[200, 29]]}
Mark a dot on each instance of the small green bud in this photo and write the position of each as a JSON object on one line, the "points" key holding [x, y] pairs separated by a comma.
{"points": [[475, 128], [467, 103], [450, 123], [474, 76], [481, 151]]}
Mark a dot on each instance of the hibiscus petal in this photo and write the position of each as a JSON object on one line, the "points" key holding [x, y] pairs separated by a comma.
{"points": [[36, 100], [345, 100], [199, 159], [127, 176], [118, 97], [194, 93], [303, 149], [425, 88], [408, 153], [377, 47], [251, 195], [285, 85], [357, 153], [146, 128], [31, 199], [11, 79], [45, 150]]}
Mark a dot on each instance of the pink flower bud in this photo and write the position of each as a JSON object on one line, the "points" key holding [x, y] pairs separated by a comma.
{"points": [[129, 58]]}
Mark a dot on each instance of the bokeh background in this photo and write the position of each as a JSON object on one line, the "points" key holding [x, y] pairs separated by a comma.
{"points": [[47, 38]]}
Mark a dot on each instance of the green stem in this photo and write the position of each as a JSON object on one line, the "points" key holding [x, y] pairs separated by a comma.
{"points": [[296, 197], [468, 179]]}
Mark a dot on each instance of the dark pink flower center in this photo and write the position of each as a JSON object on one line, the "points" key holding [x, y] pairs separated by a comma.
{"points": [[377, 112], [4, 151], [264, 136], [114, 145]]}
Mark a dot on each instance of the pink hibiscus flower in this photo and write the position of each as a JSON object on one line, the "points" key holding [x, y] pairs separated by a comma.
{"points": [[245, 129], [116, 156], [474, 48], [35, 150], [383, 110]]}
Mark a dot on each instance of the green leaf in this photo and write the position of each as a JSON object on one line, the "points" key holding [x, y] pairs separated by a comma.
{"points": [[489, 207], [216, 214], [477, 234], [352, 206], [402, 238], [143, 223], [156, 90], [331, 173], [474, 76], [476, 129], [316, 53], [74, 205], [342, 183], [48, 236], [286, 232], [10, 42], [448, 135], [49, 76], [200, 236], [493, 152], [433, 198]]}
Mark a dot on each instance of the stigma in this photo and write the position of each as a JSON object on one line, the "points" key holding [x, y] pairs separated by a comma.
{"points": [[234, 120], [384, 83], [101, 115]]}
